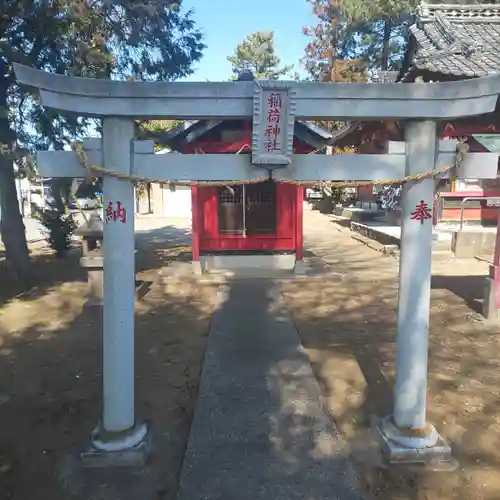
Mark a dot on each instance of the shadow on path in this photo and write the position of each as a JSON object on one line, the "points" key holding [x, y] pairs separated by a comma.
{"points": [[260, 430]]}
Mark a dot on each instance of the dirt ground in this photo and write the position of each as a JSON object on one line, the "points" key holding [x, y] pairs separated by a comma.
{"points": [[347, 324], [50, 375], [50, 370]]}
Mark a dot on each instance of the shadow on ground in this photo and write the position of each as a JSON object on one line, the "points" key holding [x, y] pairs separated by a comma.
{"points": [[50, 381], [260, 429], [470, 288], [50, 373], [347, 324], [162, 244]]}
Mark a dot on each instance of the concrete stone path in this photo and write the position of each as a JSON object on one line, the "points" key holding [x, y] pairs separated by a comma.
{"points": [[149, 229], [260, 431]]}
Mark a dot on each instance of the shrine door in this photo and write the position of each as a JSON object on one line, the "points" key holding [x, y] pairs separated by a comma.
{"points": [[248, 210]]}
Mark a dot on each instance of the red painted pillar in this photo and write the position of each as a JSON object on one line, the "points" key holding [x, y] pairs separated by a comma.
{"points": [[495, 268], [299, 223], [195, 223]]}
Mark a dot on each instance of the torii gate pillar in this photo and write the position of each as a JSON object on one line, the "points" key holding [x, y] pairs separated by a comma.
{"points": [[119, 439], [407, 434], [119, 272]]}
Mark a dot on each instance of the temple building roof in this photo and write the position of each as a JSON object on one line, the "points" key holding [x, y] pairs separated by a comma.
{"points": [[193, 130], [453, 42], [385, 77]]}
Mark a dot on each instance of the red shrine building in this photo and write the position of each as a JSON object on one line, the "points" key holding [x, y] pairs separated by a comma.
{"points": [[244, 226]]}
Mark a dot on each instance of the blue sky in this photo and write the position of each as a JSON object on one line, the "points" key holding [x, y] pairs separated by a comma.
{"points": [[225, 23]]}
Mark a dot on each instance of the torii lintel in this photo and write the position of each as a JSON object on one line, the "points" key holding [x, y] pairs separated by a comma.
{"points": [[208, 100]]}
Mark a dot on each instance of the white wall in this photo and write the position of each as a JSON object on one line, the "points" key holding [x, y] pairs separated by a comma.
{"points": [[177, 203]]}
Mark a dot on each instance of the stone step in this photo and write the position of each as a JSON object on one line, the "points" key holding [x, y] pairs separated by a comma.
{"points": [[441, 249], [441, 245]]}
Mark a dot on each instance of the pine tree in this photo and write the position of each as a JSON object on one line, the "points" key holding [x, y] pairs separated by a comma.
{"points": [[121, 39], [368, 33], [378, 29], [257, 54], [328, 53]]}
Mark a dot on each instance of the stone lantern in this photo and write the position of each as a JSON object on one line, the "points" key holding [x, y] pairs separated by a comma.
{"points": [[92, 258]]}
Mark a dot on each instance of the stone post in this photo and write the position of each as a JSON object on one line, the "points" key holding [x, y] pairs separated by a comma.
{"points": [[119, 440], [407, 434], [92, 260]]}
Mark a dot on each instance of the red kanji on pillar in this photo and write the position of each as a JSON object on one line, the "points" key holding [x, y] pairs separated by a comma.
{"points": [[422, 212], [113, 214], [109, 212], [120, 213]]}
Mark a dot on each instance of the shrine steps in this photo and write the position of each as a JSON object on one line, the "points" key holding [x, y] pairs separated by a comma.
{"points": [[279, 262], [386, 239]]}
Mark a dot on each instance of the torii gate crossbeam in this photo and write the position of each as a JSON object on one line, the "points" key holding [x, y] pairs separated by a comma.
{"points": [[207, 100]]}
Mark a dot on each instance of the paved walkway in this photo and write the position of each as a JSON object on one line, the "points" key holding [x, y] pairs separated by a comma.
{"points": [[260, 431], [148, 227]]}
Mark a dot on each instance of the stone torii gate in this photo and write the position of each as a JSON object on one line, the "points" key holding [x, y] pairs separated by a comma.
{"points": [[274, 107]]}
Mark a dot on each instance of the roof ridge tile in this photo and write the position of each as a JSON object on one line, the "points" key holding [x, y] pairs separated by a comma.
{"points": [[460, 12]]}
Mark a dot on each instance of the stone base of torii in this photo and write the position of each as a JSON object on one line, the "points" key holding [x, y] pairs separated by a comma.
{"points": [[406, 435]]}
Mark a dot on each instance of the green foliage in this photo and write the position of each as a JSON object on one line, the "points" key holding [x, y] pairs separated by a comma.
{"points": [[125, 39], [381, 10], [119, 39], [327, 54], [156, 129], [58, 225], [463, 2], [158, 126], [89, 188], [378, 27], [26, 165], [153, 129], [335, 193], [370, 32], [257, 53]]}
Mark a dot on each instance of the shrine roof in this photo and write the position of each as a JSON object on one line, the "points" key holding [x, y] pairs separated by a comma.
{"points": [[459, 41], [386, 77], [193, 130]]}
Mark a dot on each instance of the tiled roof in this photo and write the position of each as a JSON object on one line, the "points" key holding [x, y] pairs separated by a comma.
{"points": [[458, 40], [306, 130], [386, 77]]}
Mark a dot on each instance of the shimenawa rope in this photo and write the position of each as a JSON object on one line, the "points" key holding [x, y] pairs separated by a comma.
{"points": [[461, 152]]}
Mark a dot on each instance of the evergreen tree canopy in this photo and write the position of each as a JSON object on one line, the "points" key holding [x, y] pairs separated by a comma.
{"points": [[257, 54], [371, 32], [378, 28], [120, 39], [329, 54]]}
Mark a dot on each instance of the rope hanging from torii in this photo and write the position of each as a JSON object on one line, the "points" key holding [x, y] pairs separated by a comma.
{"points": [[461, 152]]}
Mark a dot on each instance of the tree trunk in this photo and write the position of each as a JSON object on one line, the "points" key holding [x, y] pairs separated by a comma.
{"points": [[12, 229], [149, 198], [385, 45], [60, 189], [137, 200]]}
